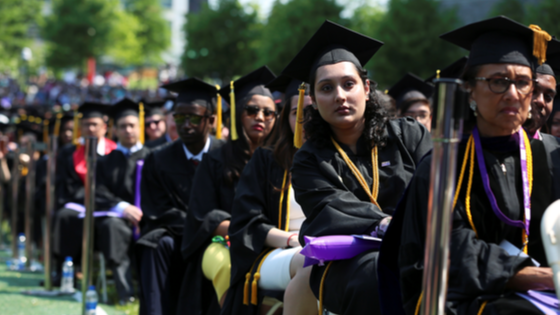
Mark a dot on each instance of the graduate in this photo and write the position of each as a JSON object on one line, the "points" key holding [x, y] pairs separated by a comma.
{"points": [[253, 116], [116, 191], [349, 138], [155, 121], [266, 220], [70, 177], [170, 133], [553, 122], [505, 182], [167, 180], [412, 96], [543, 97]]}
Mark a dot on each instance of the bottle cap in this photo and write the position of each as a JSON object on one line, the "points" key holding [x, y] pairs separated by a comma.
{"points": [[68, 258], [91, 287]]}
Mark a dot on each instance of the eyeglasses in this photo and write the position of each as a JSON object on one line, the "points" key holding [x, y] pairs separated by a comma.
{"points": [[501, 85], [253, 111], [194, 120], [153, 122]]}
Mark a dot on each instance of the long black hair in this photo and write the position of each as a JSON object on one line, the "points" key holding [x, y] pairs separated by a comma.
{"points": [[375, 115]]}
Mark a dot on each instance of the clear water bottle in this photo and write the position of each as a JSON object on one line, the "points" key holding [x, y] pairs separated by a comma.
{"points": [[21, 248], [67, 283], [91, 300]]}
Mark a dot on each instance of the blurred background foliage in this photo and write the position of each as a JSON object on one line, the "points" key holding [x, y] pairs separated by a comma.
{"points": [[227, 39]]}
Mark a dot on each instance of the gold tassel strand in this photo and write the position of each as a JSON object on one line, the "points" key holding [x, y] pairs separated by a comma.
{"points": [[232, 111], [298, 134], [141, 121], [218, 115], [540, 43]]}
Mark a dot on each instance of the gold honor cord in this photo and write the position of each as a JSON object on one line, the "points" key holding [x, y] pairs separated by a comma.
{"points": [[284, 188], [375, 178]]}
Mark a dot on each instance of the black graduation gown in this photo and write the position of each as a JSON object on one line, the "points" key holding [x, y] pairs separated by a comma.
{"points": [[335, 203], [479, 268], [211, 202], [69, 186], [158, 142], [255, 211], [167, 178]]}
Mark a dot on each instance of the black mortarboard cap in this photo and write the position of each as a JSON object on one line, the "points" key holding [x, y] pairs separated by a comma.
{"points": [[124, 107], [453, 71], [286, 85], [92, 109], [194, 91], [331, 44], [410, 87], [154, 107], [502, 40], [552, 65], [250, 84]]}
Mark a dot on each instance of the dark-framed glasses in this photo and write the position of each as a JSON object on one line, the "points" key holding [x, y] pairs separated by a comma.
{"points": [[501, 85], [194, 120], [253, 110], [153, 122]]}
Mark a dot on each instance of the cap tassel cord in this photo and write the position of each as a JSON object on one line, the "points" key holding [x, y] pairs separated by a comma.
{"points": [[298, 134], [141, 121], [232, 111], [56, 130], [540, 43], [110, 129], [46, 131], [76, 129], [438, 74], [219, 115]]}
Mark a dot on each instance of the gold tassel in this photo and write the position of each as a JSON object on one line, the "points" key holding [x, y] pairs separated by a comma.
{"points": [[255, 287], [31, 119], [298, 134], [46, 131], [219, 115], [20, 133], [540, 43], [438, 73], [246, 289], [141, 121], [76, 130], [232, 111], [110, 129], [23, 117], [57, 124]]}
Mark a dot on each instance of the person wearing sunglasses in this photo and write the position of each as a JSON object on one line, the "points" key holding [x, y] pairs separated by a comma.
{"points": [[167, 181], [266, 219], [505, 182], [154, 120], [253, 116]]}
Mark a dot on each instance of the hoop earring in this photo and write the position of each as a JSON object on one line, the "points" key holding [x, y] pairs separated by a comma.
{"points": [[472, 105]]}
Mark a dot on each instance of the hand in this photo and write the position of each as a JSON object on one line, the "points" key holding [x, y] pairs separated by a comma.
{"points": [[531, 278], [294, 241], [24, 159], [383, 226], [133, 214]]}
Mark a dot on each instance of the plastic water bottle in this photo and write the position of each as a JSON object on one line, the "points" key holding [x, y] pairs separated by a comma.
{"points": [[67, 283], [21, 248], [91, 300]]}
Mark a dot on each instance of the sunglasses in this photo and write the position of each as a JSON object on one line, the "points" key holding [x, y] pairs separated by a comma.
{"points": [[153, 122], [253, 110], [194, 120]]}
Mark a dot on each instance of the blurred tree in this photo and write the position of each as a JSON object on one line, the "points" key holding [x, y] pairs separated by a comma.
{"points": [[126, 46], [513, 9], [545, 14], [153, 33], [289, 27], [16, 19], [221, 42], [366, 20], [79, 29], [411, 30]]}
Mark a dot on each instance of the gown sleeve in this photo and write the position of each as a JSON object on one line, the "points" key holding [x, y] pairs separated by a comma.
{"points": [[477, 268], [250, 223], [105, 199], [205, 211], [330, 208]]}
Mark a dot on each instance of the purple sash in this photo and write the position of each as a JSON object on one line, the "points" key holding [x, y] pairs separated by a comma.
{"points": [[82, 211], [544, 301], [137, 196], [524, 176]]}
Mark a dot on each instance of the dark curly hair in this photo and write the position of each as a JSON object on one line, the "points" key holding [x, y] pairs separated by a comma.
{"points": [[376, 118]]}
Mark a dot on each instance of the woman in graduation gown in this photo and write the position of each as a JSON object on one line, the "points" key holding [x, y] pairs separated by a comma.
{"points": [[349, 138], [506, 181], [265, 221], [253, 115]]}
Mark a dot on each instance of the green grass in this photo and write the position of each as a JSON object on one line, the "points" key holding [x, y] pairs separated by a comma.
{"points": [[12, 302]]}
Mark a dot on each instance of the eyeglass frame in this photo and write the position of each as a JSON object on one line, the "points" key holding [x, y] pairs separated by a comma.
{"points": [[510, 81], [263, 110]]}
